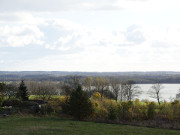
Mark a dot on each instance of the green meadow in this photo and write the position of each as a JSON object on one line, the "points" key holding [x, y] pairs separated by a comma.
{"points": [[30, 125]]}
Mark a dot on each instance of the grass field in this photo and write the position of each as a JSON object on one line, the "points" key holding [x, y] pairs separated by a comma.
{"points": [[56, 126]]}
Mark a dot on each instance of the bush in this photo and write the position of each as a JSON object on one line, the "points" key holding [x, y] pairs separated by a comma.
{"points": [[176, 109], [12, 102], [64, 103], [4, 110], [112, 112], [151, 110], [1, 101], [138, 110], [29, 107], [99, 109], [55, 105], [96, 96], [26, 104], [46, 109], [127, 110], [166, 111]]}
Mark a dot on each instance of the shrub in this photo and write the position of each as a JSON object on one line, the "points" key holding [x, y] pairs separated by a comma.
{"points": [[96, 96], [127, 112], [144, 111], [166, 110], [64, 103], [29, 107], [1, 101], [4, 110], [12, 102], [112, 112], [55, 105], [151, 110], [99, 108], [137, 110], [46, 109], [28, 103], [176, 108], [120, 111]]}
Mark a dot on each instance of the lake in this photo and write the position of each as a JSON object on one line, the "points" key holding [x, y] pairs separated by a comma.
{"points": [[169, 91]]}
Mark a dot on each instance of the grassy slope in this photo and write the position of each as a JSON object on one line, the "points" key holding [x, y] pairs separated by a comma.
{"points": [[55, 126]]}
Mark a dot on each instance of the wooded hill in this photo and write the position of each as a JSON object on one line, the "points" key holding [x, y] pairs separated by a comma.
{"points": [[138, 77]]}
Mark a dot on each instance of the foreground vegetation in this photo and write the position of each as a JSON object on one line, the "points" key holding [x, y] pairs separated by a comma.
{"points": [[98, 104], [52, 125]]}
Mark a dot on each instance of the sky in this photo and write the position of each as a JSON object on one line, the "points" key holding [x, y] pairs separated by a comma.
{"points": [[90, 35]]}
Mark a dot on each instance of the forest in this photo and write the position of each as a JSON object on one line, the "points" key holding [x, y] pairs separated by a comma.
{"points": [[138, 77]]}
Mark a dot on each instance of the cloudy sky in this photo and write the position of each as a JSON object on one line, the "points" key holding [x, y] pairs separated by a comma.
{"points": [[90, 35]]}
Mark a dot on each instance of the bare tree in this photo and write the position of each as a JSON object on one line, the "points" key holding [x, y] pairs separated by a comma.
{"points": [[122, 91], [66, 89], [88, 83], [131, 90], [101, 84], [155, 91], [75, 81], [116, 87], [11, 90], [32, 86], [44, 90], [178, 95]]}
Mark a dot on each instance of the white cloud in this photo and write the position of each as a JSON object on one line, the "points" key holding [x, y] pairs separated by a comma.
{"points": [[86, 48], [115, 51], [55, 5], [71, 5], [1, 61], [74, 35], [20, 35], [21, 18]]}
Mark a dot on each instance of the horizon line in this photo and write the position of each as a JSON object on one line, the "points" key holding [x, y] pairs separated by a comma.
{"points": [[79, 71]]}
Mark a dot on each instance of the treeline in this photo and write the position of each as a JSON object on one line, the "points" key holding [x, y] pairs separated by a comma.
{"points": [[111, 88], [138, 77], [97, 99]]}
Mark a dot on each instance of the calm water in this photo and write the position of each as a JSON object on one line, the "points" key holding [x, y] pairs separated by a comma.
{"points": [[169, 91]]}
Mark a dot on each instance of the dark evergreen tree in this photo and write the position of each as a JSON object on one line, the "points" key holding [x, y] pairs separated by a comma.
{"points": [[22, 91], [79, 104], [2, 89]]}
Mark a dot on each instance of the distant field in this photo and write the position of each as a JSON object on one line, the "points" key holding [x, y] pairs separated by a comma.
{"points": [[56, 126], [36, 97]]}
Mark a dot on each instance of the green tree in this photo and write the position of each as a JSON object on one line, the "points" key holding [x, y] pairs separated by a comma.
{"points": [[22, 91], [2, 89], [79, 104]]}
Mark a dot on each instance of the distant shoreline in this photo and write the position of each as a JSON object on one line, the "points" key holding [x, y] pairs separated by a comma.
{"points": [[166, 77]]}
